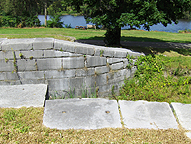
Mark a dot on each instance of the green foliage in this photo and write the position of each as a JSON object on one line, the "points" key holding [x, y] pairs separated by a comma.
{"points": [[114, 14], [55, 21], [185, 31], [158, 79]]}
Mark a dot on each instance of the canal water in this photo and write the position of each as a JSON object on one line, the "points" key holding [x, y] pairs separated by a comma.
{"points": [[80, 21]]}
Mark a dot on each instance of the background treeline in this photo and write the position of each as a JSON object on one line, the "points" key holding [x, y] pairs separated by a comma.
{"points": [[24, 13]]}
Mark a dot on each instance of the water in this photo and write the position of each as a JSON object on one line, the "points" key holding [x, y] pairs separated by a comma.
{"points": [[80, 21]]}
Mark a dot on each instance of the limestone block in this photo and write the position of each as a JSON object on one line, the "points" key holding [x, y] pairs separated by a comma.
{"points": [[8, 76], [8, 55], [81, 114], [84, 49], [26, 65], [90, 81], [100, 70], [183, 113], [95, 61], [103, 51], [120, 53], [114, 60], [33, 81], [6, 66], [151, 115], [59, 84], [64, 45], [77, 83], [17, 96], [1, 41], [31, 75], [73, 62], [54, 53], [101, 80], [55, 74], [90, 71], [33, 54], [43, 43], [117, 66], [49, 64], [81, 73], [17, 44], [10, 82]]}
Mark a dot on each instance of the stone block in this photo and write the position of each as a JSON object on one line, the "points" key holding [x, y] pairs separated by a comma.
{"points": [[101, 79], [6, 66], [81, 114], [183, 113], [120, 53], [54, 53], [8, 76], [81, 73], [84, 49], [117, 66], [103, 51], [90, 81], [17, 44], [26, 65], [90, 71], [95, 61], [64, 45], [150, 115], [43, 43], [10, 82], [55, 74], [59, 84], [17, 96], [114, 60], [101, 70], [33, 81], [77, 83], [33, 54], [49, 64], [31, 75], [73, 62]]}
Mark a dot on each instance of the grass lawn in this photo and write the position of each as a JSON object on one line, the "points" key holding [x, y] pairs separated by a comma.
{"points": [[127, 35], [158, 78]]}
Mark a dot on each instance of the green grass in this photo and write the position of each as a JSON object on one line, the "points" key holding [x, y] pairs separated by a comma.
{"points": [[127, 35], [160, 78]]}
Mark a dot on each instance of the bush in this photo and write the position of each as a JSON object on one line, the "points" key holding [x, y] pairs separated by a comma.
{"points": [[55, 21]]}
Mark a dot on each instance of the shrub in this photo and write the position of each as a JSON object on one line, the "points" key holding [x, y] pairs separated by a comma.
{"points": [[55, 21]]}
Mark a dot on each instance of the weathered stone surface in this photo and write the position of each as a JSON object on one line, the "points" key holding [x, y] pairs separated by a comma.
{"points": [[59, 84], [32, 54], [120, 52], [81, 114], [151, 115], [84, 49], [81, 73], [103, 51], [90, 82], [114, 60], [95, 61], [31, 75], [183, 112], [103, 69], [55, 74], [8, 55], [26, 65], [49, 64], [77, 83], [43, 43], [101, 79], [17, 96], [8, 76], [90, 71], [17, 44], [64, 45], [54, 53], [73, 62], [117, 66], [6, 66]]}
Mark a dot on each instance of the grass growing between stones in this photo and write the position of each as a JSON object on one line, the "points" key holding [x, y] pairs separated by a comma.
{"points": [[24, 125], [160, 78]]}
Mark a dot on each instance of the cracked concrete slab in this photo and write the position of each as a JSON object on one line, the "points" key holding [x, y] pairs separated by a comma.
{"points": [[81, 114], [183, 113], [16, 96], [150, 115]]}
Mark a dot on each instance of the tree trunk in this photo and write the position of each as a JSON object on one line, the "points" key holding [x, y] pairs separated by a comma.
{"points": [[45, 13], [112, 36]]}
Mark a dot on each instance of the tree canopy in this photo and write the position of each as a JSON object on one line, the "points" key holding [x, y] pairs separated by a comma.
{"points": [[114, 14]]}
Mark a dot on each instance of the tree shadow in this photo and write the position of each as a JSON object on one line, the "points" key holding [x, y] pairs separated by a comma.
{"points": [[144, 45]]}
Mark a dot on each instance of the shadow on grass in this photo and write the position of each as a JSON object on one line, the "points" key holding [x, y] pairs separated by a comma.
{"points": [[144, 45]]}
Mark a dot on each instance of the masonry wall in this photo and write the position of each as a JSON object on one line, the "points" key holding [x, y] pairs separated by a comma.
{"points": [[69, 68]]}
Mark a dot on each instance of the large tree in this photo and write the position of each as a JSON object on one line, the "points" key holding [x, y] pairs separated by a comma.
{"points": [[114, 14]]}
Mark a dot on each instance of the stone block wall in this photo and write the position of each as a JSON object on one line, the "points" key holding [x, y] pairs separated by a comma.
{"points": [[69, 68]]}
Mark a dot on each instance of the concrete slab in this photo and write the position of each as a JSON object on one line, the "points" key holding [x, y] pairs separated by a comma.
{"points": [[16, 96], [81, 114], [183, 112], [151, 115]]}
